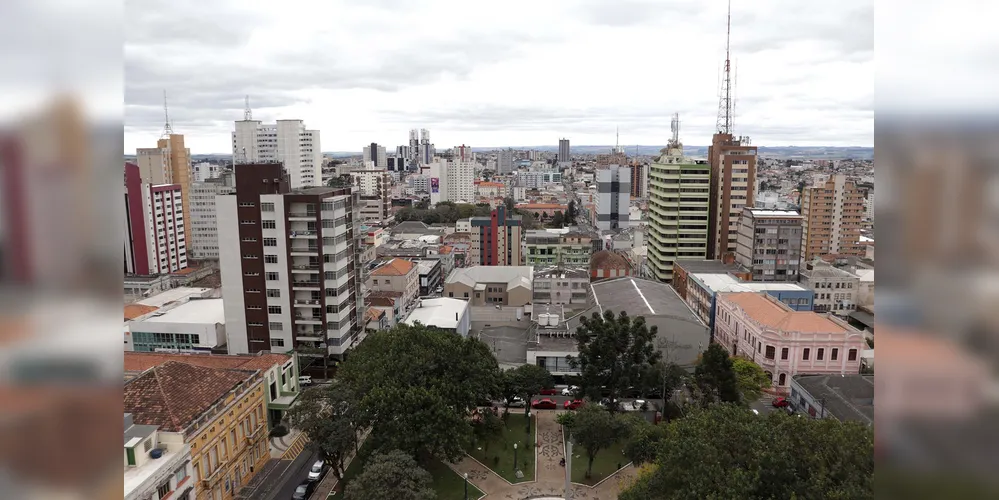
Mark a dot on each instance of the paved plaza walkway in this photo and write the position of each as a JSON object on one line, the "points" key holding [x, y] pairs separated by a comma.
{"points": [[550, 476]]}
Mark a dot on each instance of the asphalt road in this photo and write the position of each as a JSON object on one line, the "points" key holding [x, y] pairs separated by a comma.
{"points": [[560, 401], [297, 472]]}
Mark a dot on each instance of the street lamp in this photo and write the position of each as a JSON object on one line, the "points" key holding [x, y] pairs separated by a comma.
{"points": [[466, 486], [514, 456]]}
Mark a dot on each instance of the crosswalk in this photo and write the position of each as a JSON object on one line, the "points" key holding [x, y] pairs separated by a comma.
{"points": [[296, 447]]}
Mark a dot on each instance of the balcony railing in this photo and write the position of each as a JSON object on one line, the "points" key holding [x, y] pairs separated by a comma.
{"points": [[303, 267], [306, 302], [302, 214]]}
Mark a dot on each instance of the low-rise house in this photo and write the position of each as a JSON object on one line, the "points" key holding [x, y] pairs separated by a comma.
{"points": [[558, 285], [390, 302], [609, 264], [155, 469], [785, 342], [835, 289], [491, 285], [431, 276], [702, 289], [396, 275]]}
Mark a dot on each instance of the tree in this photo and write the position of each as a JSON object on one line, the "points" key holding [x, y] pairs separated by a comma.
{"points": [[529, 379], [326, 415], [750, 379], [510, 203], [571, 212], [644, 440], [486, 427], [615, 353], [726, 451], [416, 387], [595, 429], [663, 378], [391, 475], [715, 377], [558, 220], [423, 204]]}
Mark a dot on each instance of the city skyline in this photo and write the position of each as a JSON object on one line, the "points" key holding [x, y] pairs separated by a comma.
{"points": [[803, 73]]}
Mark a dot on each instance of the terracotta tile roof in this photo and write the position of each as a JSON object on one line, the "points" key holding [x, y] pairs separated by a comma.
{"points": [[394, 267], [491, 184], [607, 259], [133, 311], [384, 294], [446, 249], [142, 361], [373, 314], [379, 301], [540, 205], [768, 311], [174, 394]]}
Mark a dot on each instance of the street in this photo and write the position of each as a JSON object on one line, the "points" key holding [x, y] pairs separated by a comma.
{"points": [[280, 481], [560, 401]]}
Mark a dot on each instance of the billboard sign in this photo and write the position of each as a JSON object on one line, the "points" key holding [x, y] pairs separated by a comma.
{"points": [[435, 186]]}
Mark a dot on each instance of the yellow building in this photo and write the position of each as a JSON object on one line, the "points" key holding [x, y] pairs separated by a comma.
{"points": [[220, 413]]}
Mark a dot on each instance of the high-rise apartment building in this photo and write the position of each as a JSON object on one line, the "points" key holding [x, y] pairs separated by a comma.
{"points": [[769, 244], [463, 153], [563, 150], [496, 239], [613, 197], [639, 180], [376, 155], [679, 202], [287, 142], [289, 262], [733, 180], [374, 186], [504, 164], [414, 145], [425, 150], [452, 180], [155, 240], [204, 242], [833, 212], [168, 163]]}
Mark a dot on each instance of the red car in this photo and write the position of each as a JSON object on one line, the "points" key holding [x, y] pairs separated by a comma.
{"points": [[781, 403], [549, 392], [544, 404], [572, 405]]}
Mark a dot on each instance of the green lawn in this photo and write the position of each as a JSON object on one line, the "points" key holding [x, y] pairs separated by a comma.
{"points": [[605, 463], [497, 454], [448, 484]]}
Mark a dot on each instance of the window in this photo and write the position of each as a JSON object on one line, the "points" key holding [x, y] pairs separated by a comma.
{"points": [[273, 309], [273, 292], [147, 444], [771, 352], [270, 259], [181, 474], [834, 355], [277, 342], [224, 448], [266, 207], [271, 276], [805, 353], [851, 355], [275, 326], [268, 224], [270, 242], [163, 490], [374, 281], [819, 354]]}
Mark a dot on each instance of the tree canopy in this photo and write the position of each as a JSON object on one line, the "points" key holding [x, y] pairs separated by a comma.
{"points": [[750, 379], [596, 429], [445, 212], [726, 451], [615, 353], [391, 475], [417, 385], [326, 414], [528, 380], [715, 377]]}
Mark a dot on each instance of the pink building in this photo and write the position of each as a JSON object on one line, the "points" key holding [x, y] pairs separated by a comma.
{"points": [[154, 226], [785, 342]]}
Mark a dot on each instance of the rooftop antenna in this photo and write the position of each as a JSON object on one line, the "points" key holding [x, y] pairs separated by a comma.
{"points": [[617, 139], [247, 113], [674, 127], [724, 124], [167, 129]]}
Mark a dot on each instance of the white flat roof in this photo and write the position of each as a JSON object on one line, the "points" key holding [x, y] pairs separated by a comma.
{"points": [[203, 311], [726, 283], [174, 294], [762, 212], [443, 312]]}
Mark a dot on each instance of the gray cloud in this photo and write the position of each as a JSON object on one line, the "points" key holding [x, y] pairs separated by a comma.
{"points": [[848, 33], [625, 13]]}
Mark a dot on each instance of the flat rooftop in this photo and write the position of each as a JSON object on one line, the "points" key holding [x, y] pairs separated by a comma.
{"points": [[173, 295], [846, 397], [694, 266], [724, 282], [443, 312], [762, 212], [205, 311]]}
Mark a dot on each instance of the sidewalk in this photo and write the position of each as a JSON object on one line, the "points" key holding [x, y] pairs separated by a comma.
{"points": [[329, 482], [278, 446]]}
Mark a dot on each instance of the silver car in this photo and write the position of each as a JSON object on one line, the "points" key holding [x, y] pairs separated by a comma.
{"points": [[316, 471]]}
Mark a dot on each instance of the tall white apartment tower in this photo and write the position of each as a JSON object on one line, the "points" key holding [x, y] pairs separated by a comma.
{"points": [[452, 181], [287, 142], [613, 197], [376, 155]]}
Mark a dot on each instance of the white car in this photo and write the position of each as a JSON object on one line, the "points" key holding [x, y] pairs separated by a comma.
{"points": [[517, 402], [305, 380], [316, 471], [570, 391], [636, 404]]}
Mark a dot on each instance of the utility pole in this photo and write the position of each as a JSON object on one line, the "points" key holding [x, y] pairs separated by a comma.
{"points": [[568, 468]]}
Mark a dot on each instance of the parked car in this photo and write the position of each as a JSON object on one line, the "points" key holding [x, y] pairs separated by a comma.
{"points": [[305, 380], [637, 404], [316, 471], [303, 491], [781, 402], [607, 403], [755, 411], [549, 392], [516, 402], [572, 405], [570, 391], [544, 404]]}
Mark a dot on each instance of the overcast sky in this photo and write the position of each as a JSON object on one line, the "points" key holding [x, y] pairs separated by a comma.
{"points": [[500, 73]]}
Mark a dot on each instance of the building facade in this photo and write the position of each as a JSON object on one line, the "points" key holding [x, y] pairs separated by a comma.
{"points": [[679, 211], [431, 275], [639, 180], [375, 189], [563, 151], [289, 262], [204, 242], [769, 244], [833, 214], [396, 275], [548, 248], [491, 285], [504, 163], [287, 142], [169, 163], [836, 290], [733, 180], [613, 197], [495, 240], [452, 180], [155, 229], [784, 342], [168, 475], [556, 285], [376, 155]]}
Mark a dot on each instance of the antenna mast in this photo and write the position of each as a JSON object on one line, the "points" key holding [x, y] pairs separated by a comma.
{"points": [[167, 129], [674, 127], [247, 113], [724, 124]]}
